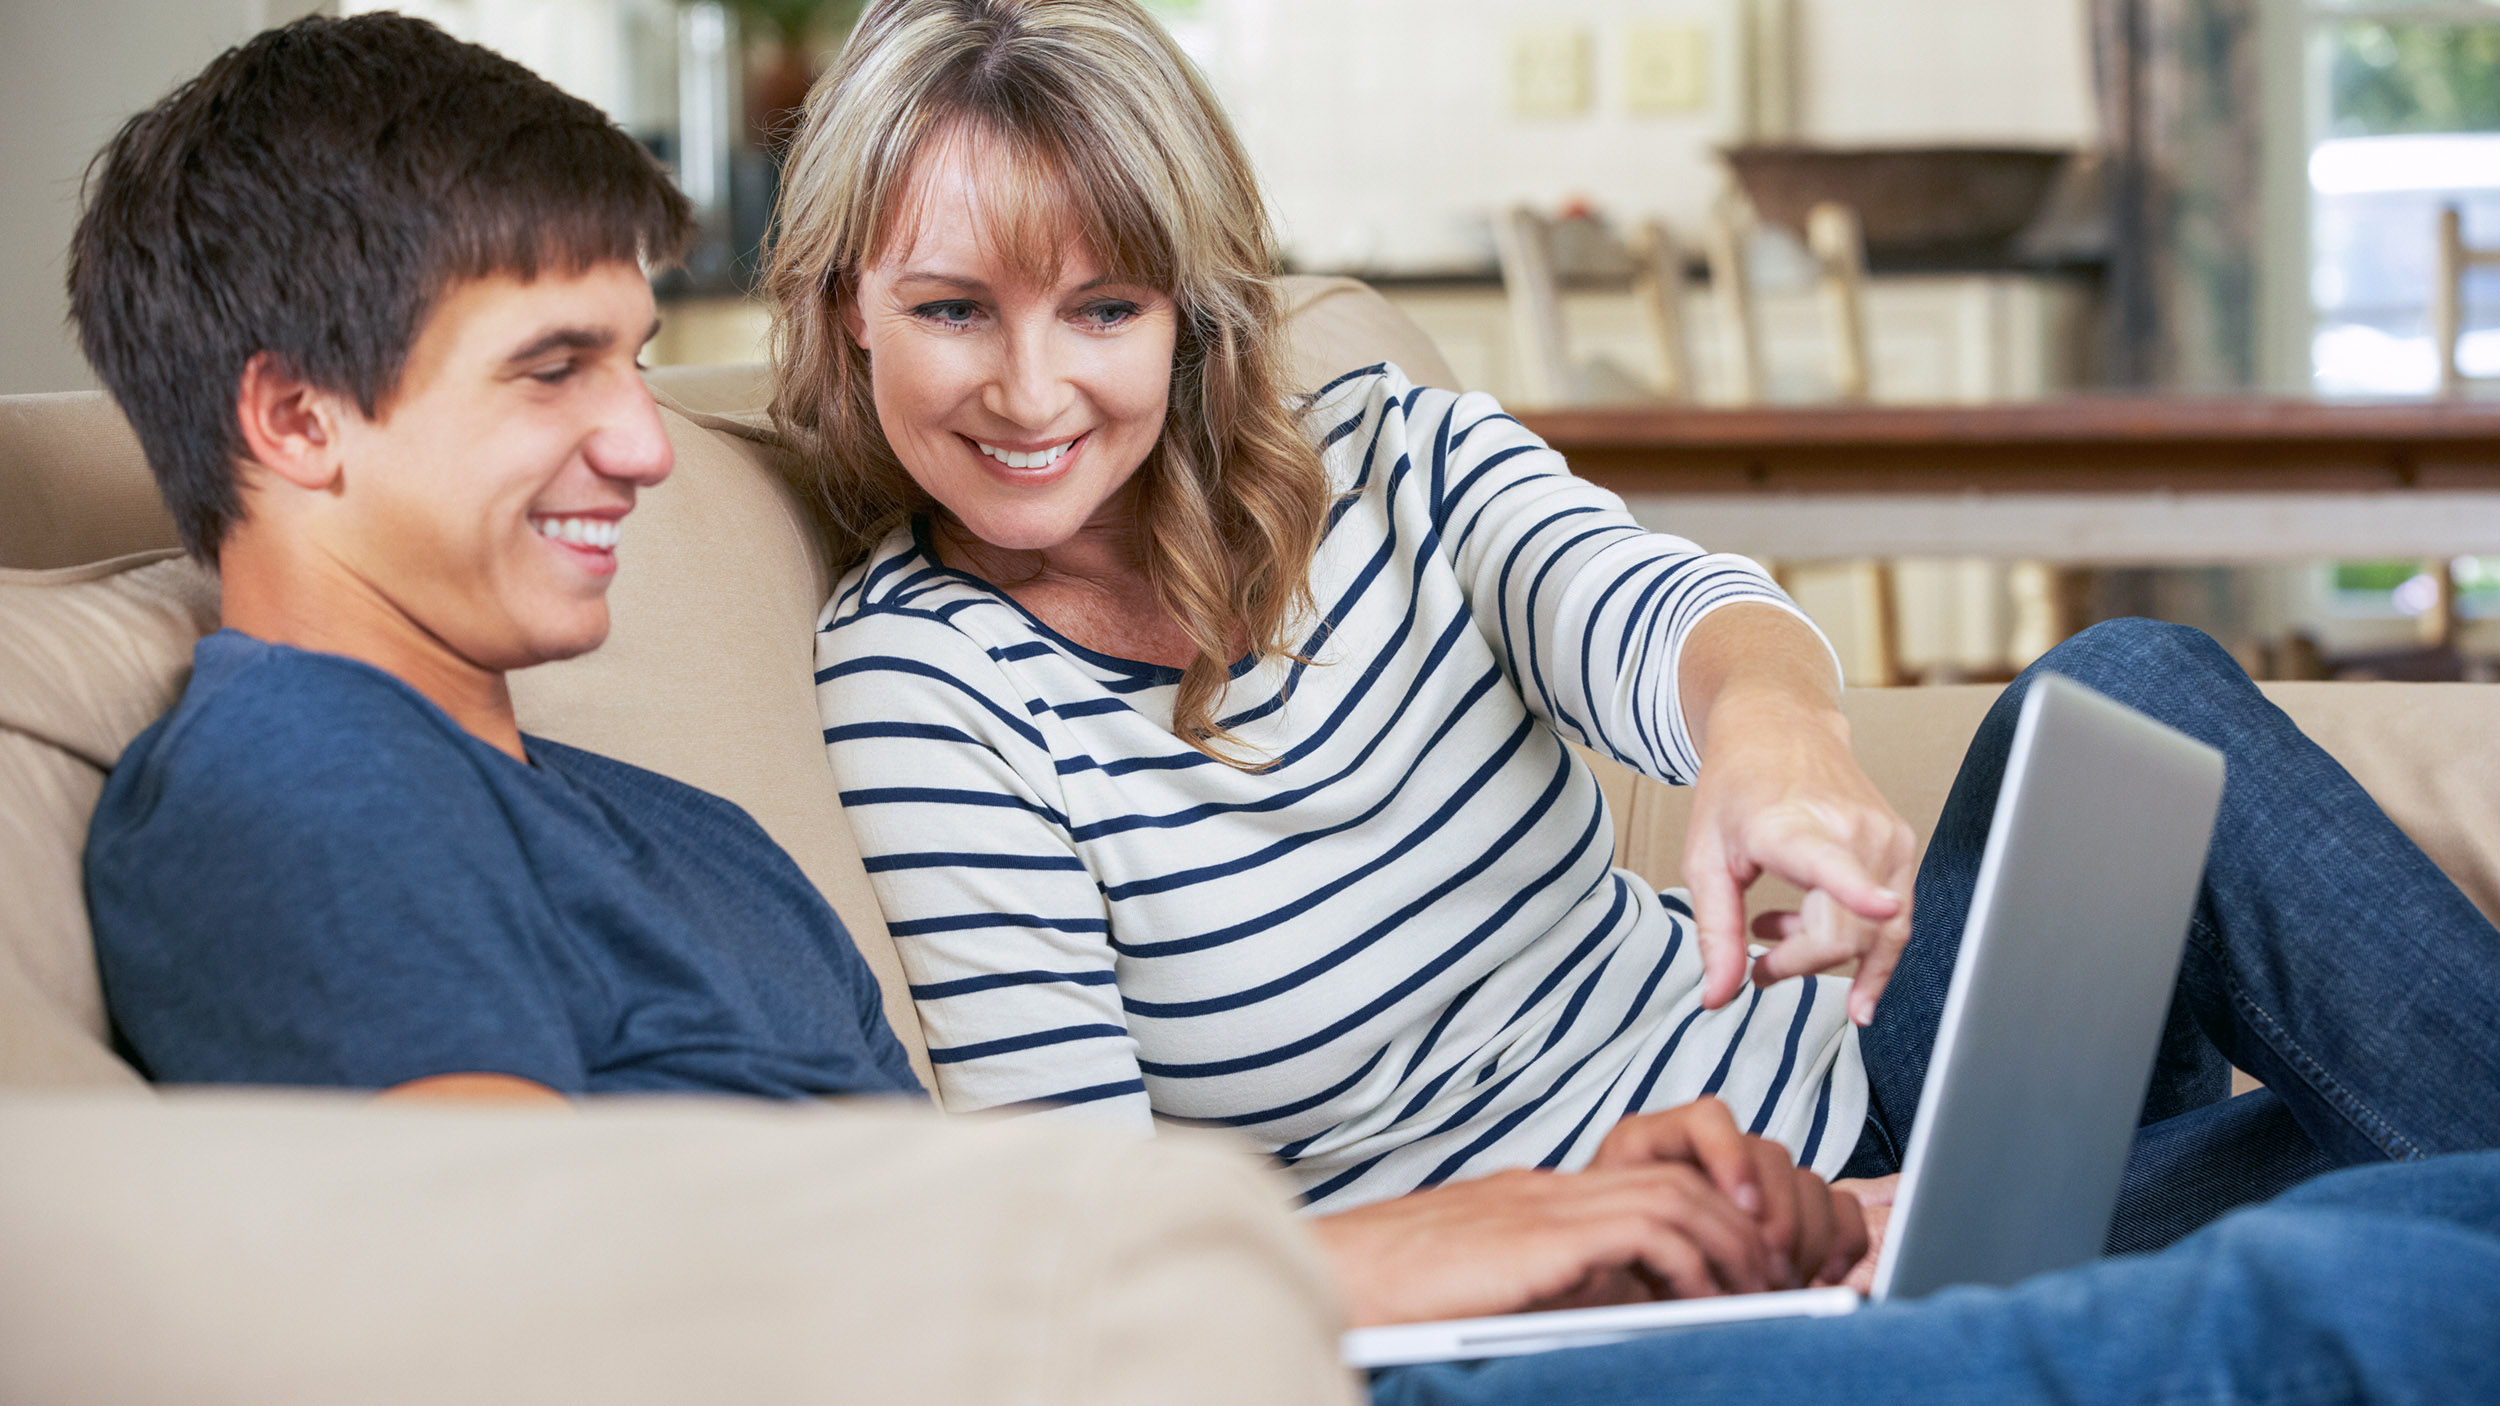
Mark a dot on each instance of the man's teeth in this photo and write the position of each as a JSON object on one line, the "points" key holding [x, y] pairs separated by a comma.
{"points": [[1039, 459], [596, 532]]}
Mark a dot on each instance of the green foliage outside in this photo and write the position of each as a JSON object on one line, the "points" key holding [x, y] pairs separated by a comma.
{"points": [[2478, 581], [791, 21], [2385, 79]]}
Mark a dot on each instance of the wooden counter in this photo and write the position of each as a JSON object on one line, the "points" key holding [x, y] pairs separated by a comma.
{"points": [[2088, 480], [2080, 445]]}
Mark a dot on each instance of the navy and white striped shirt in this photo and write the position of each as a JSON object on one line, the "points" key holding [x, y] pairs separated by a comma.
{"points": [[1400, 955]]}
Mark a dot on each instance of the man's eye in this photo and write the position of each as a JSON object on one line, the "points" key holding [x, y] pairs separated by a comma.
{"points": [[554, 375], [1108, 313], [954, 312]]}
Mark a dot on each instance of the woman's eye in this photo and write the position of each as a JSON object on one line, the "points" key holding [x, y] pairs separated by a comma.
{"points": [[954, 312], [1107, 314]]}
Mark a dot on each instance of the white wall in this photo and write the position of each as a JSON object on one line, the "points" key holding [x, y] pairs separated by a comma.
{"points": [[70, 74], [1384, 132], [2016, 71]]}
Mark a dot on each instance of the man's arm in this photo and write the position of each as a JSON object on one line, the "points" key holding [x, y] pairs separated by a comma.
{"points": [[473, 1088]]}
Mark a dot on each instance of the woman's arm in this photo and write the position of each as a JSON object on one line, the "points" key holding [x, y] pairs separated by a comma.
{"points": [[1692, 667], [1781, 793]]}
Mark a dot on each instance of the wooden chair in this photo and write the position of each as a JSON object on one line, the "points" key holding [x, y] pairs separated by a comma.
{"points": [[1833, 237], [1543, 370], [2456, 259]]}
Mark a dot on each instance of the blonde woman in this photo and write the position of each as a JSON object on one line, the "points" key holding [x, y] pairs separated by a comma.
{"points": [[1205, 736]]}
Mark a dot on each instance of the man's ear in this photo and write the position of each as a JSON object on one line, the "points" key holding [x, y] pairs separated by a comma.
{"points": [[290, 426]]}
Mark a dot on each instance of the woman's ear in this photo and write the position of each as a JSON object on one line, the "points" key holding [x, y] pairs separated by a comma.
{"points": [[845, 295], [290, 426]]}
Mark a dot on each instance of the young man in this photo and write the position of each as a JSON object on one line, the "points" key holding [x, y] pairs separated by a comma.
{"points": [[372, 300]]}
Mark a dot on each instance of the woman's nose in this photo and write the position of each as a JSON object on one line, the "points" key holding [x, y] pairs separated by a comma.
{"points": [[1031, 387]]}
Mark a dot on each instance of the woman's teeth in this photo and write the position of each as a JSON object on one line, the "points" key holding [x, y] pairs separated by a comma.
{"points": [[598, 532], [1038, 459]]}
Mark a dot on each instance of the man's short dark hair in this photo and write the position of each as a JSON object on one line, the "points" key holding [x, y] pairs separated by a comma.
{"points": [[312, 194]]}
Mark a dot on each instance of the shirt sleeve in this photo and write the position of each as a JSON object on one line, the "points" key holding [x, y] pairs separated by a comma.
{"points": [[279, 899], [1588, 611], [1002, 930]]}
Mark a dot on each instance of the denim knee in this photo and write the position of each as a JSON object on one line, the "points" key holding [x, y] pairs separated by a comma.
{"points": [[2137, 661]]}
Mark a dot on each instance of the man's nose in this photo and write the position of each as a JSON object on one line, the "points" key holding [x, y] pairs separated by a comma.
{"points": [[632, 444]]}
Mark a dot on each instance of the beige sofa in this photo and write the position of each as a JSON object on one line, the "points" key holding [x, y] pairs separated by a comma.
{"points": [[267, 1247]]}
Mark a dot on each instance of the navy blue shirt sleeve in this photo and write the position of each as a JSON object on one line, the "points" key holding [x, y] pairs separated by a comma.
{"points": [[283, 899]]}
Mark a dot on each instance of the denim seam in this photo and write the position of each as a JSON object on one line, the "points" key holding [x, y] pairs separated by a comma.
{"points": [[2377, 1129]]}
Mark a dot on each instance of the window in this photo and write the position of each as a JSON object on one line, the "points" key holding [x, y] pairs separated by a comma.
{"points": [[2404, 102]]}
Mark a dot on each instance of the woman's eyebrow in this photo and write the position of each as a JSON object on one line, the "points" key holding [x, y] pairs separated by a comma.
{"points": [[970, 285]]}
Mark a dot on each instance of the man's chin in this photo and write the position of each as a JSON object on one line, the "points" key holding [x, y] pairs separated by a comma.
{"points": [[553, 641]]}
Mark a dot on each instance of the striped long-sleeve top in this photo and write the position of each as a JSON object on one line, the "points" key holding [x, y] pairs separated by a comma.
{"points": [[1402, 953]]}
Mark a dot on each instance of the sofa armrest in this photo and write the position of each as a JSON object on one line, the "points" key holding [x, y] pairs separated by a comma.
{"points": [[307, 1248]]}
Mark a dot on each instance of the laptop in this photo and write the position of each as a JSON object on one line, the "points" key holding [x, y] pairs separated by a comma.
{"points": [[2044, 1052]]}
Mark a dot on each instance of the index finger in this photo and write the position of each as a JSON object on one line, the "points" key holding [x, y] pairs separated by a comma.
{"points": [[1827, 864], [1718, 920]]}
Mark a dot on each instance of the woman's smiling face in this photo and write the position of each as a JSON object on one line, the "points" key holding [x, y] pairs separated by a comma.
{"points": [[1023, 404]]}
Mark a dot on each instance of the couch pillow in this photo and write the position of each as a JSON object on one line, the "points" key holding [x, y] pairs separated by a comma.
{"points": [[77, 487], [89, 656]]}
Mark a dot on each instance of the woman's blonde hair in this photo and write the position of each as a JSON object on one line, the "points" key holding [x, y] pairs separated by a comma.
{"points": [[1108, 130]]}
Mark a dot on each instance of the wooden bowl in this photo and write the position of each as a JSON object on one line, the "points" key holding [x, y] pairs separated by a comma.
{"points": [[1925, 203]]}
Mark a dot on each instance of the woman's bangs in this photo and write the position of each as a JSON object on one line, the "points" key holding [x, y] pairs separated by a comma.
{"points": [[1036, 204]]}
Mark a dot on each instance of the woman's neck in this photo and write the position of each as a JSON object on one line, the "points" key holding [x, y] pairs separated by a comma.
{"points": [[1093, 588]]}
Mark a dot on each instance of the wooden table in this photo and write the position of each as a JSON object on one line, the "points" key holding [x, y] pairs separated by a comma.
{"points": [[2099, 480]]}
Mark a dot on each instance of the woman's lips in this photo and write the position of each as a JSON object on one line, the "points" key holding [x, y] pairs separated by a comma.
{"points": [[993, 459]]}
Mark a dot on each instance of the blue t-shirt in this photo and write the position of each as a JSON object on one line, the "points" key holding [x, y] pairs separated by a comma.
{"points": [[306, 873]]}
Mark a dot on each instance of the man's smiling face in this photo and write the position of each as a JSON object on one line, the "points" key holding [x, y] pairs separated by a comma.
{"points": [[483, 503]]}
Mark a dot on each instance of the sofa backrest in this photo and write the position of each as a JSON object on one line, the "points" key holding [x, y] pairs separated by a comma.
{"points": [[707, 675], [2429, 754]]}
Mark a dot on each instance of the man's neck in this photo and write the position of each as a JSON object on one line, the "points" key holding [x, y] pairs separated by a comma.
{"points": [[316, 603]]}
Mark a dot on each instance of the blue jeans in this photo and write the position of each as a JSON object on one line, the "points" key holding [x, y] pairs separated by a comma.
{"points": [[2327, 956], [2379, 1283]]}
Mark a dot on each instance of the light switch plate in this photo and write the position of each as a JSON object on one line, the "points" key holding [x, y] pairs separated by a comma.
{"points": [[1549, 72], [1666, 69]]}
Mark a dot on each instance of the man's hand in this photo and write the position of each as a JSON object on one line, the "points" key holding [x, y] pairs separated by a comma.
{"points": [[1780, 793], [1534, 1239], [1813, 1232]]}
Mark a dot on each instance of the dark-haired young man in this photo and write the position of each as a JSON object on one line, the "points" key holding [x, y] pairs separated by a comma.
{"points": [[372, 300]]}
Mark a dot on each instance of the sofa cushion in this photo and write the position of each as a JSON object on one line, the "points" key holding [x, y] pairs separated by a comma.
{"points": [[88, 657], [225, 1247]]}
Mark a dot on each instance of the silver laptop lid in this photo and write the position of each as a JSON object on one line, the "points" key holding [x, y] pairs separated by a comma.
{"points": [[2050, 1026]]}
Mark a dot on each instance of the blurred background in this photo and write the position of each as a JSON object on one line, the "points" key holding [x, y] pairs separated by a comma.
{"points": [[1977, 319]]}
